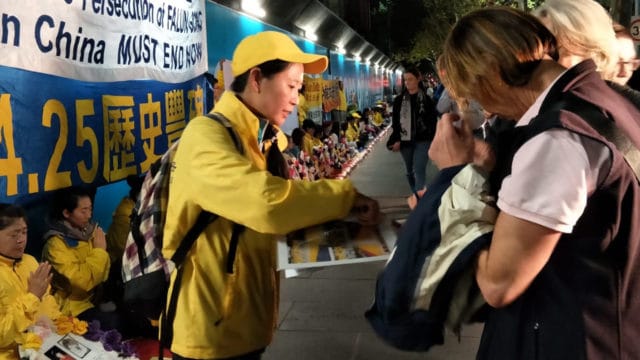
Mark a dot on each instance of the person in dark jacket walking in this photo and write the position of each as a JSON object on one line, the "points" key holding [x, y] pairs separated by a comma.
{"points": [[414, 124]]}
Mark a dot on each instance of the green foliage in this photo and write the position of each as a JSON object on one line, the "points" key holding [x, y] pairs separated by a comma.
{"points": [[412, 31]]}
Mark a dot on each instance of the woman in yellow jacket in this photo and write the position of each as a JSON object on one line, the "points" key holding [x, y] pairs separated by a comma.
{"points": [[309, 141], [76, 249], [222, 315], [119, 228], [24, 298], [353, 131]]}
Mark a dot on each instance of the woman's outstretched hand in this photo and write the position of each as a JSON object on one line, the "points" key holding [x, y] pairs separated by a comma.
{"points": [[367, 210]]}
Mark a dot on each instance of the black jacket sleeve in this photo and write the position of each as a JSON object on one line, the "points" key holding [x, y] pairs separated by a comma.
{"points": [[395, 122]]}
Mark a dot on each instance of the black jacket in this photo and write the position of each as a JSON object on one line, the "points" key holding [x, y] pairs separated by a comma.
{"points": [[423, 121]]}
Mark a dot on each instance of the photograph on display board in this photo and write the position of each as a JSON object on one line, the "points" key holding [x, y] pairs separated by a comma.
{"points": [[74, 346], [56, 353], [335, 243]]}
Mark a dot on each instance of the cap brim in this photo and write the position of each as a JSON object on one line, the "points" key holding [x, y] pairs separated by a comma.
{"points": [[313, 64]]}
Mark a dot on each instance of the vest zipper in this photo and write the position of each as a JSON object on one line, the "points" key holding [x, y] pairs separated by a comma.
{"points": [[536, 340]]}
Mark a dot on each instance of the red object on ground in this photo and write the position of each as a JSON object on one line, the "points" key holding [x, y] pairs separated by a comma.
{"points": [[147, 349]]}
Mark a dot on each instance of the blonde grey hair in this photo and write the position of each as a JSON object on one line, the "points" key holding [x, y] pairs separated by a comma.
{"points": [[493, 41], [582, 28]]}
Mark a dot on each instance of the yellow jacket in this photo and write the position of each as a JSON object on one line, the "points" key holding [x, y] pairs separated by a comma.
{"points": [[119, 229], [377, 119], [221, 315], [309, 142], [302, 109], [352, 133], [78, 268], [19, 308]]}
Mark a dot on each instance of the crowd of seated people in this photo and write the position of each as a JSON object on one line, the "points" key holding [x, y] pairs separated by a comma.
{"points": [[323, 151]]}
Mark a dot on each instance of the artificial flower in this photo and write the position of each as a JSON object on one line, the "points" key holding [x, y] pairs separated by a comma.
{"points": [[79, 326], [94, 333], [43, 331], [127, 349], [64, 325], [111, 340], [31, 341], [70, 324]]}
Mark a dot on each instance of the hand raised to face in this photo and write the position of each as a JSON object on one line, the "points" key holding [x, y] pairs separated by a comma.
{"points": [[453, 143]]}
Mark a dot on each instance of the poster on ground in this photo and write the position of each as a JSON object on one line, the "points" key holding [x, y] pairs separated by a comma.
{"points": [[337, 242]]}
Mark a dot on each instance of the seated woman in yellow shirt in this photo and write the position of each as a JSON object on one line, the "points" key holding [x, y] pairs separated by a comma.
{"points": [[353, 131], [24, 284], [309, 141], [76, 248]]}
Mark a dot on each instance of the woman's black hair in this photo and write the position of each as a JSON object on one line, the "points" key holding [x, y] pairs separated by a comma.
{"points": [[276, 163], [296, 136], [67, 199], [135, 184], [9, 213], [268, 69], [415, 72], [308, 124]]}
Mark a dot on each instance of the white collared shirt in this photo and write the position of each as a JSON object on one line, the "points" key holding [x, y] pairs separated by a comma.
{"points": [[552, 175]]}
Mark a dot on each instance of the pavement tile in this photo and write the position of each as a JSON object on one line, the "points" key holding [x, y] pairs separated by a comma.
{"points": [[328, 291], [329, 317], [311, 345], [370, 347], [322, 310]]}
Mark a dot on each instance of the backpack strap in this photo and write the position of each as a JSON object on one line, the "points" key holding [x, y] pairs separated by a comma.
{"points": [[237, 229], [227, 124], [204, 219]]}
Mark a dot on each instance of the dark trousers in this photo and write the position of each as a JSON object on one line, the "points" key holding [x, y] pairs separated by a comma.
{"points": [[256, 355]]}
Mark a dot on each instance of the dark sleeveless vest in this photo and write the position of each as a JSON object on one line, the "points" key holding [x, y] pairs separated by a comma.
{"points": [[585, 303]]}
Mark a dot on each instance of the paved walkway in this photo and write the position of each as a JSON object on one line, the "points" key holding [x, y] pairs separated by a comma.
{"points": [[321, 311]]}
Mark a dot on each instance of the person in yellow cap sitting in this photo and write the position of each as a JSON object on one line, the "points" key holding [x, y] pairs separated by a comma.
{"points": [[228, 299]]}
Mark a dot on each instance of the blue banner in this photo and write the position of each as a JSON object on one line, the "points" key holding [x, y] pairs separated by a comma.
{"points": [[57, 132]]}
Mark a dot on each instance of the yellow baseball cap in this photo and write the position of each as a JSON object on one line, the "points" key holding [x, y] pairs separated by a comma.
{"points": [[273, 45]]}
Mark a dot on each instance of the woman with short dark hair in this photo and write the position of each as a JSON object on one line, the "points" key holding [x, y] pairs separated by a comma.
{"points": [[226, 309]]}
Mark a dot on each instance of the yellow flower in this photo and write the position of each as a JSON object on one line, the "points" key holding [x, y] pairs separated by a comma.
{"points": [[64, 325], [31, 341], [79, 326]]}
